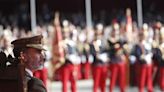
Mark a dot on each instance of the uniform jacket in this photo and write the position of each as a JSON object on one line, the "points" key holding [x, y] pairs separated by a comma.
{"points": [[34, 84]]}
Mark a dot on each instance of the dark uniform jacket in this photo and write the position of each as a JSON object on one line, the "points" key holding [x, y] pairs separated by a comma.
{"points": [[96, 61], [157, 57], [137, 52], [113, 52], [34, 84]]}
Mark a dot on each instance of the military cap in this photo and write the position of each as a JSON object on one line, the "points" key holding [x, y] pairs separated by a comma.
{"points": [[32, 42]]}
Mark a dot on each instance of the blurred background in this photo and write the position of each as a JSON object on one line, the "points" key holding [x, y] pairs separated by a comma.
{"points": [[102, 11], [91, 43]]}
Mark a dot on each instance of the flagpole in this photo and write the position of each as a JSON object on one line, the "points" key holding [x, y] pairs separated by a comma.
{"points": [[88, 13], [33, 14], [139, 13]]}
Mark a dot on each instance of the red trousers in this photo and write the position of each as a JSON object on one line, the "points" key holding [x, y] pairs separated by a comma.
{"points": [[99, 78], [77, 68], [85, 70], [118, 70], [161, 78], [145, 77], [41, 74], [68, 74]]}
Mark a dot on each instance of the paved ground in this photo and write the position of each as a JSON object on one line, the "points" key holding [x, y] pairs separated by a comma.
{"points": [[86, 86]]}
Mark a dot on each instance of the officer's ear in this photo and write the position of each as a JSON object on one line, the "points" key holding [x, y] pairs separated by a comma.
{"points": [[22, 56]]}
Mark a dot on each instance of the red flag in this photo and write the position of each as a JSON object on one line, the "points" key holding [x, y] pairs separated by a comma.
{"points": [[129, 32], [58, 50], [128, 20]]}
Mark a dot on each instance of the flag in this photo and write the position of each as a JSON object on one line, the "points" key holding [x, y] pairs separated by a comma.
{"points": [[58, 50]]}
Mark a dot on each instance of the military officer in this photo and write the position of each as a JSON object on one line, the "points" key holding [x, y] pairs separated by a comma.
{"points": [[29, 51]]}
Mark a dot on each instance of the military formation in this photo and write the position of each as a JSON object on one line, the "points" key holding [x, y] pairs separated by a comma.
{"points": [[121, 52]]}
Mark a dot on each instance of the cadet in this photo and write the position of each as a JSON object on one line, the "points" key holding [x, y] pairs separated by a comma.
{"points": [[99, 65]]}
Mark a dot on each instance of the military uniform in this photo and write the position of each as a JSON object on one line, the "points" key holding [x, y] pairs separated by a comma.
{"points": [[33, 84], [69, 70], [86, 60], [117, 65], [99, 65], [143, 56]]}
